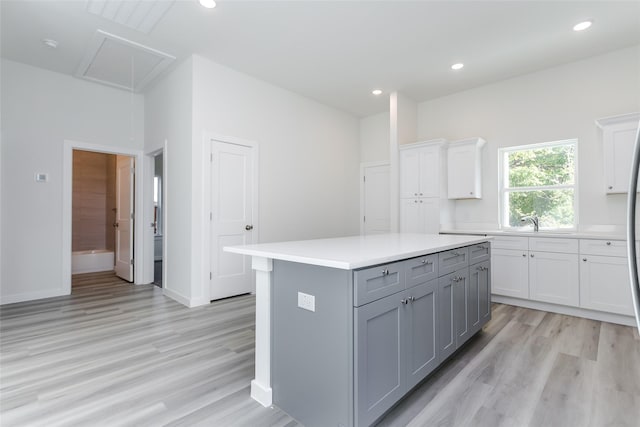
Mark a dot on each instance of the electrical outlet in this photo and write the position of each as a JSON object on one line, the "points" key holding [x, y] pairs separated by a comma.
{"points": [[306, 301]]}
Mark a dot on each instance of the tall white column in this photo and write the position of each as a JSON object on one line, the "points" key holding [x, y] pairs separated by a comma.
{"points": [[261, 384]]}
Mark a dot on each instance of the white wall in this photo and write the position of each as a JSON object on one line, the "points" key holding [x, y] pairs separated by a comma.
{"points": [[309, 153], [553, 104], [40, 110], [374, 138], [168, 118], [309, 158]]}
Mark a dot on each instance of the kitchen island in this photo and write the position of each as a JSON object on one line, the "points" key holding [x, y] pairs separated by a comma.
{"points": [[345, 327]]}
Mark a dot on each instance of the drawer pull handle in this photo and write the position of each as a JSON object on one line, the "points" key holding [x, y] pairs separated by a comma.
{"points": [[412, 299], [456, 254], [404, 301], [482, 268], [482, 247], [608, 243], [584, 259], [524, 255], [385, 272], [531, 255], [424, 261]]}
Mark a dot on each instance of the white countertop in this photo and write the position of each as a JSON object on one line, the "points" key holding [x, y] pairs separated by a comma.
{"points": [[349, 253], [531, 233]]}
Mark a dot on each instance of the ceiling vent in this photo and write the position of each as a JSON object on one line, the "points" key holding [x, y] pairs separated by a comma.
{"points": [[121, 63], [141, 15]]}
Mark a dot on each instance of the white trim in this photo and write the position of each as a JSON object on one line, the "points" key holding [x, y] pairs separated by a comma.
{"points": [[261, 384], [67, 190], [438, 141], [570, 311], [30, 296], [189, 302], [616, 120], [205, 249], [150, 257], [364, 166]]}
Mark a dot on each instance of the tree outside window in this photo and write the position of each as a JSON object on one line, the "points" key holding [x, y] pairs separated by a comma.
{"points": [[539, 180]]}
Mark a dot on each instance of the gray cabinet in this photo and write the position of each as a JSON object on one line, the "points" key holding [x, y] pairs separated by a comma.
{"points": [[374, 335], [422, 348], [380, 334], [479, 295]]}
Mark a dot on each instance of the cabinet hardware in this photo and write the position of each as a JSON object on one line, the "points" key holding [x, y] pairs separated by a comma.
{"points": [[611, 187], [608, 243], [481, 247], [424, 261], [385, 272], [412, 299], [531, 255], [415, 194], [524, 255], [248, 227], [421, 194], [404, 301], [456, 254], [584, 259]]}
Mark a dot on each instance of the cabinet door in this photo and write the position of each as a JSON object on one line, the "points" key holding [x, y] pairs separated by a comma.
{"points": [[461, 302], [409, 173], [379, 356], [618, 143], [510, 273], [462, 173], [446, 331], [410, 220], [479, 296], [420, 216], [604, 284], [422, 348], [429, 172], [553, 277]]}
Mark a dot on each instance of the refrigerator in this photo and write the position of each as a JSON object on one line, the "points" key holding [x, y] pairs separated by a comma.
{"points": [[631, 228]]}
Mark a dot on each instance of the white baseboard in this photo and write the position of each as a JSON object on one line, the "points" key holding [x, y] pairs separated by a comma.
{"points": [[189, 302], [30, 296], [262, 395], [563, 309]]}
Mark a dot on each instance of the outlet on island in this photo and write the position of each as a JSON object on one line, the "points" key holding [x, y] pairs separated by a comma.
{"points": [[306, 301]]}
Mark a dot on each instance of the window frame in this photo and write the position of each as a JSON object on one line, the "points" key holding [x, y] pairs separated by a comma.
{"points": [[503, 220]]}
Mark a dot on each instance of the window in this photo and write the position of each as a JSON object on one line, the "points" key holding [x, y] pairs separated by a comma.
{"points": [[539, 180]]}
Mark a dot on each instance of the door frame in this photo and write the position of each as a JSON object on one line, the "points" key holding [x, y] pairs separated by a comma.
{"points": [[207, 170], [67, 217], [149, 257], [363, 167]]}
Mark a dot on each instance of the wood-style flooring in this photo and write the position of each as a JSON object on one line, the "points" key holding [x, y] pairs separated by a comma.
{"points": [[116, 354]]}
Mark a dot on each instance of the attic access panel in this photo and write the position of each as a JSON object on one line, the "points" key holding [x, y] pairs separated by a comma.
{"points": [[122, 63]]}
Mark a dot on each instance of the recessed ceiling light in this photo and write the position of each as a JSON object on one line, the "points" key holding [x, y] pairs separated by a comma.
{"points": [[582, 26], [376, 92], [209, 4], [457, 66], [50, 43]]}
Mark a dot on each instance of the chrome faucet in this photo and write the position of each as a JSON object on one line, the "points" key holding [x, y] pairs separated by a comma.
{"points": [[534, 219]]}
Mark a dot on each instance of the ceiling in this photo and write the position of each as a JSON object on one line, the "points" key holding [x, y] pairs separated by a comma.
{"points": [[338, 51]]}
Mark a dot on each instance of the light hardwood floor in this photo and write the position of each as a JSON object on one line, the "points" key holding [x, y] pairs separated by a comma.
{"points": [[118, 354]]}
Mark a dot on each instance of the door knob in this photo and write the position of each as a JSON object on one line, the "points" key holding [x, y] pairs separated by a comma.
{"points": [[115, 224], [248, 227]]}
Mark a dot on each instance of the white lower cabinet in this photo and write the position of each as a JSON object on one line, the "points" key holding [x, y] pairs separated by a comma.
{"points": [[420, 215], [589, 274], [510, 272], [554, 278], [604, 284]]}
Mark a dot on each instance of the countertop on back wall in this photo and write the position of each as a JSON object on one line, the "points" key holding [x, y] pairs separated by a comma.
{"points": [[604, 235]]}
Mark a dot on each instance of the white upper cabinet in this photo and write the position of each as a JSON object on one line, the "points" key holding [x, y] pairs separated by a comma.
{"points": [[420, 170], [464, 168], [618, 137]]}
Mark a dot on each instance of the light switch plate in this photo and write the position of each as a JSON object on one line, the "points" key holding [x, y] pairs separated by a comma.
{"points": [[41, 177], [306, 301]]}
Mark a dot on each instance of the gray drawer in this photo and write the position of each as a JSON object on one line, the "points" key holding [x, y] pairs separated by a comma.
{"points": [[450, 261], [421, 269], [480, 252], [377, 282]]}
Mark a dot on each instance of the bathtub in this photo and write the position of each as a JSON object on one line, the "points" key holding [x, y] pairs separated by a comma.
{"points": [[91, 261]]}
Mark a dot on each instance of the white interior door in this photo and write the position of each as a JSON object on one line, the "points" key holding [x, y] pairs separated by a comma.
{"points": [[124, 217], [232, 196], [376, 215]]}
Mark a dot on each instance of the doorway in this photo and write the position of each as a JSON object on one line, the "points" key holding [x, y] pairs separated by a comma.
{"points": [[135, 197], [158, 217], [233, 215], [102, 208]]}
